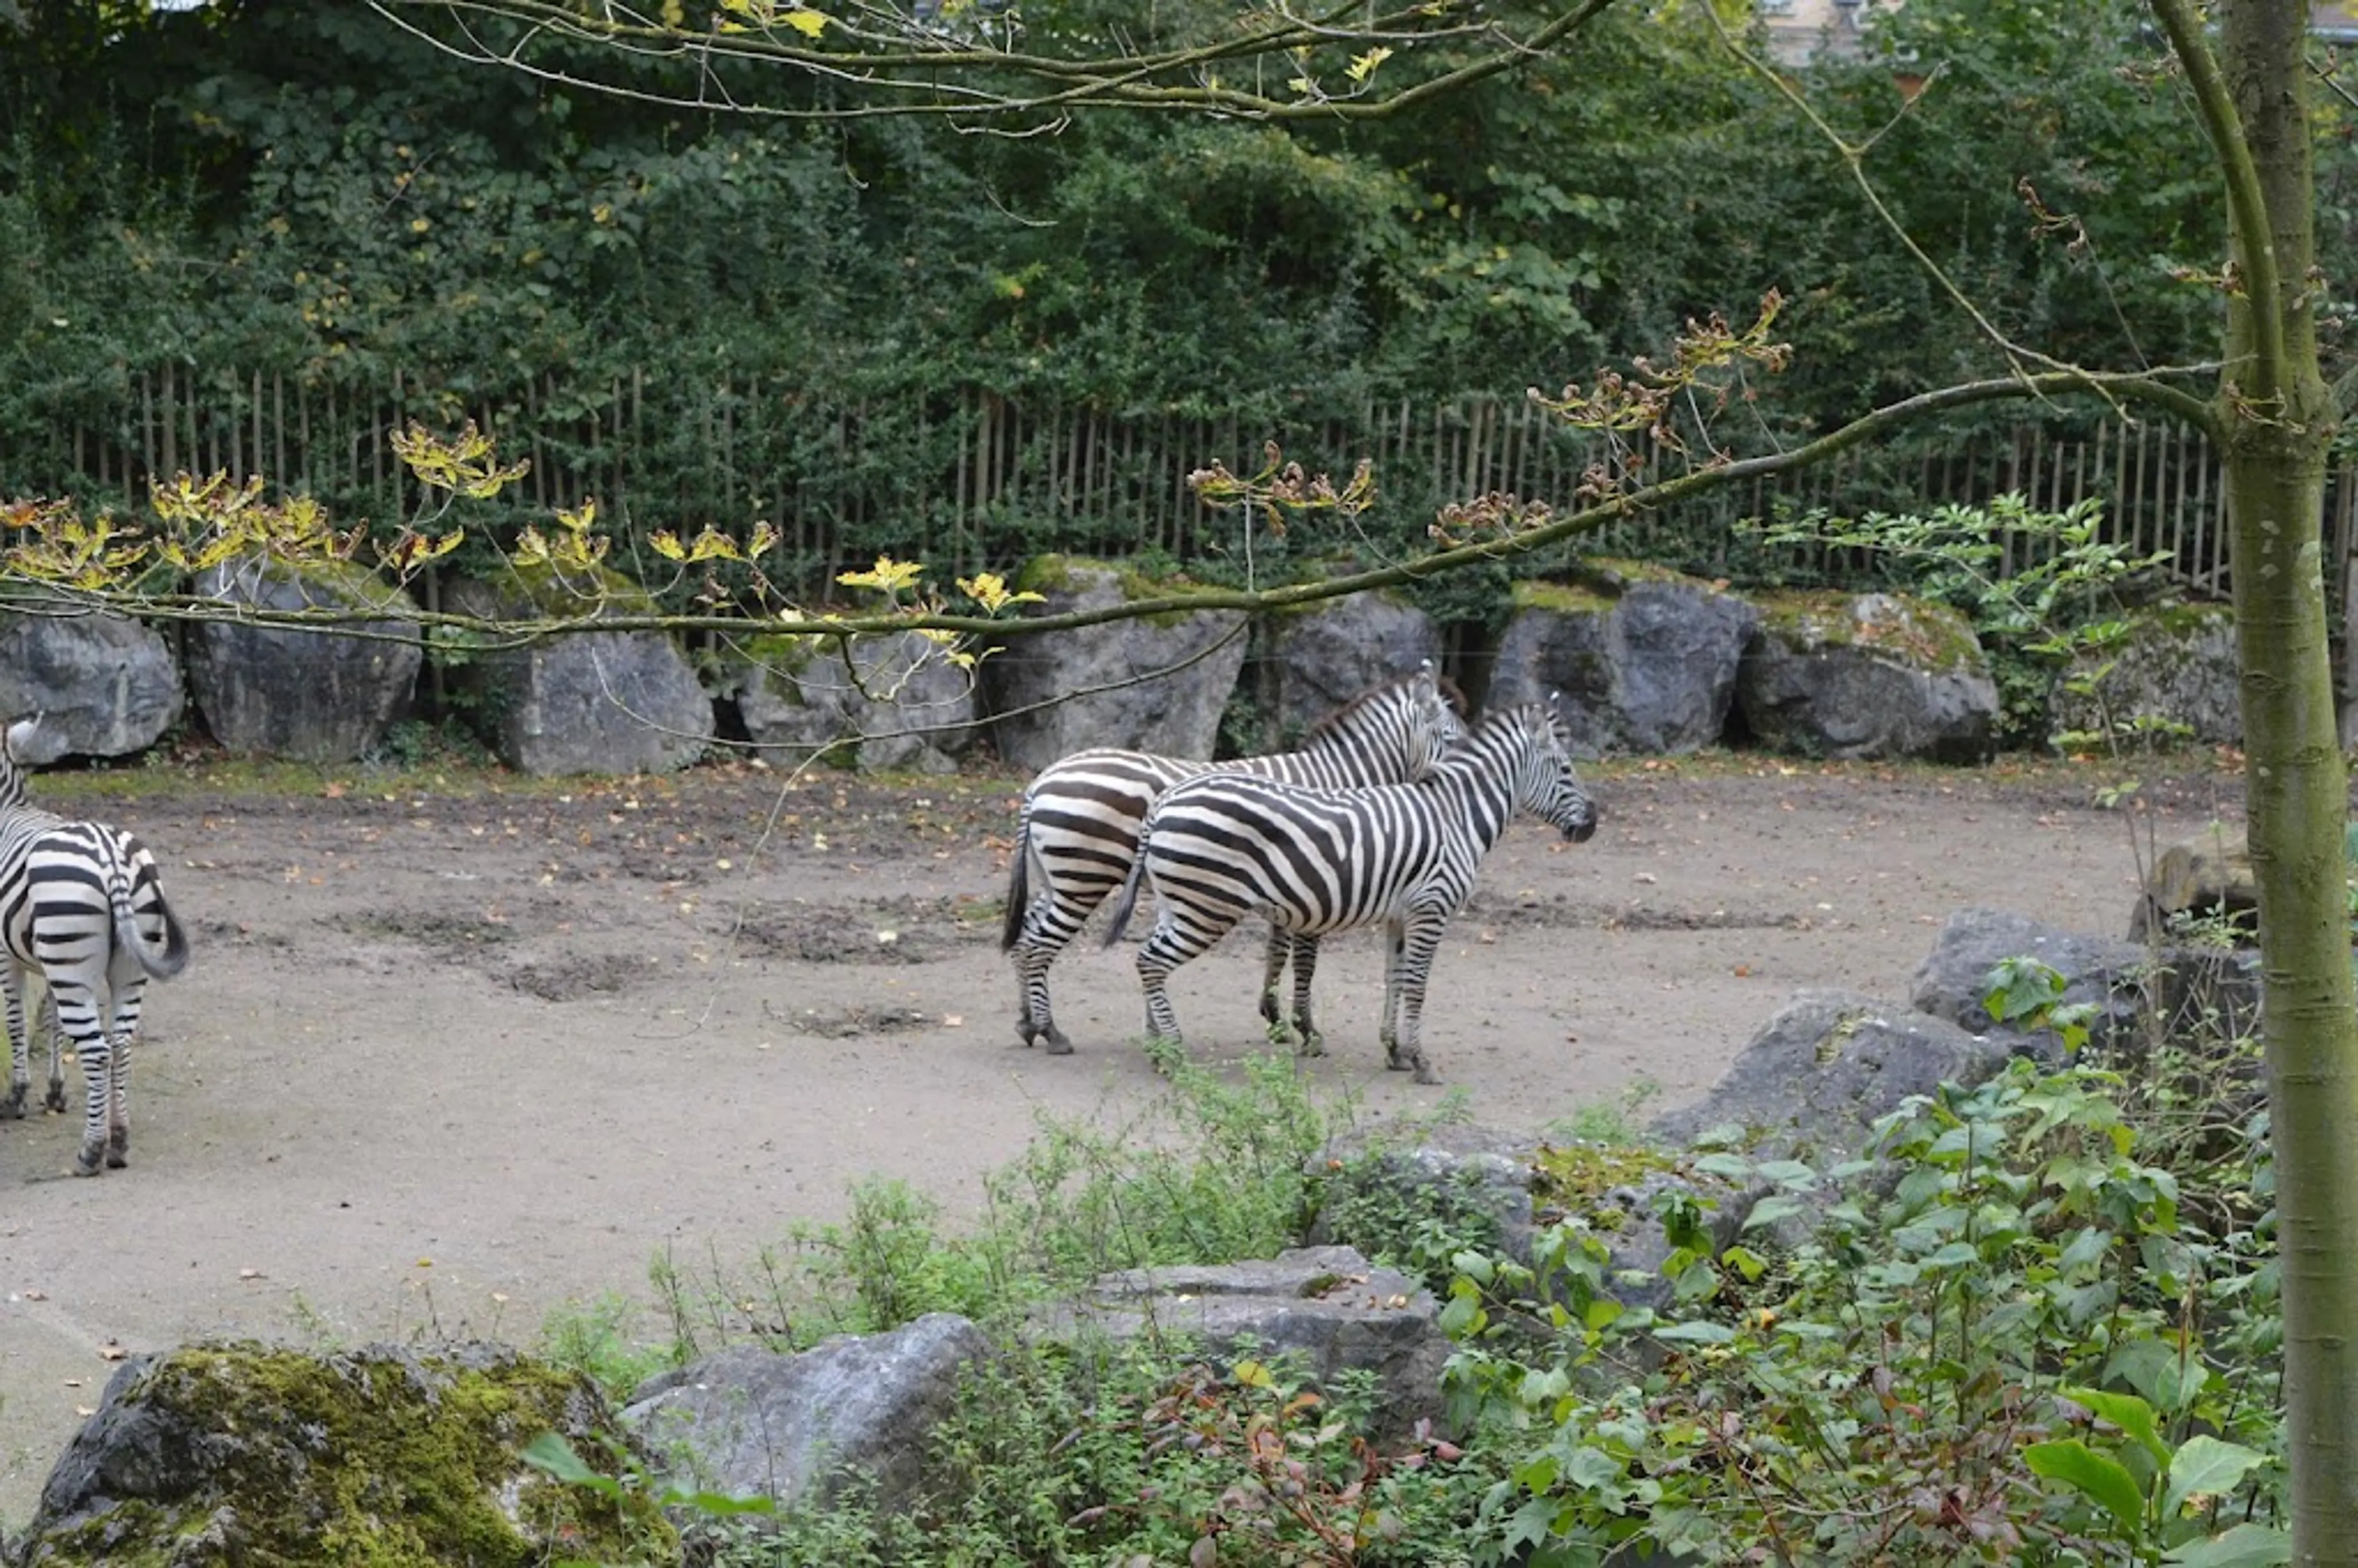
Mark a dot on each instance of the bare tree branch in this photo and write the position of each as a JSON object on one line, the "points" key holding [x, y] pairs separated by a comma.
{"points": [[901, 66]]}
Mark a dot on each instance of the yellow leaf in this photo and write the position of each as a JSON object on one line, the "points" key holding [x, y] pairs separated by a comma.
{"points": [[712, 543], [663, 543], [1303, 85], [806, 21], [1365, 65], [1252, 1375]]}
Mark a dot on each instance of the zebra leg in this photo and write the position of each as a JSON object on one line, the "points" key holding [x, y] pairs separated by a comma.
{"points": [[20, 1066], [1387, 1028], [1423, 940], [1168, 946], [1274, 957], [118, 1075], [1306, 964], [78, 1015], [1048, 927], [55, 1099]]}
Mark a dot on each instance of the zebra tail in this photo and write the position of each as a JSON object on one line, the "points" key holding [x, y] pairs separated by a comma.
{"points": [[163, 962], [1019, 886], [1128, 899]]}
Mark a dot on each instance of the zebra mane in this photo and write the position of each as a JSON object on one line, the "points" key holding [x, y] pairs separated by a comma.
{"points": [[1337, 720]]}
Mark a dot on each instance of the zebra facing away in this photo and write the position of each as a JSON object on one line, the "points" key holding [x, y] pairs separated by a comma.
{"points": [[1219, 848], [81, 905], [1077, 833]]}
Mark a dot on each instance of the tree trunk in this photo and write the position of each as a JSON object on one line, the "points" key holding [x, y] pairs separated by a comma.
{"points": [[2278, 418]]}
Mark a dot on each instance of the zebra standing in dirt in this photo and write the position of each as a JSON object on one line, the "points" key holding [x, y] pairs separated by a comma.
{"points": [[1402, 856], [1078, 831], [81, 903]]}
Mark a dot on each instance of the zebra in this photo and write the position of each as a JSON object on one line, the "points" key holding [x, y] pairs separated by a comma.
{"points": [[82, 908], [1078, 832], [1403, 856]]}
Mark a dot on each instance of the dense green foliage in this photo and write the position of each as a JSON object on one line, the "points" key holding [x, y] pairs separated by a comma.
{"points": [[721, 319], [2041, 1324]]}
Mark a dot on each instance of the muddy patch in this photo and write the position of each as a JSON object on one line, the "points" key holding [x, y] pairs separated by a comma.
{"points": [[571, 979], [852, 1022], [900, 930]]}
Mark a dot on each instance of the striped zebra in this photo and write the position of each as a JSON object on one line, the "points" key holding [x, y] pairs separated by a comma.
{"points": [[82, 908], [1400, 856], [1078, 830]]}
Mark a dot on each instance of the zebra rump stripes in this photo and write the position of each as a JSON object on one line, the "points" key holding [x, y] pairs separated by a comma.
{"points": [[1078, 832], [1221, 847], [81, 905]]}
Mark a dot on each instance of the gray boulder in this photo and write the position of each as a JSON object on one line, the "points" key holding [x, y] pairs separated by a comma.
{"points": [[1325, 1309], [853, 1412], [317, 697], [1499, 1190], [2172, 677], [1819, 1073], [219, 1455], [2206, 877], [1643, 663], [909, 708], [2108, 974], [104, 684], [1863, 675], [584, 702], [1062, 692], [1321, 656]]}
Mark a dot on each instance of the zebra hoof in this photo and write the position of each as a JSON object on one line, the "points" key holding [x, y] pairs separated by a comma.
{"points": [[1057, 1044], [1312, 1045], [12, 1108], [56, 1099], [90, 1161]]}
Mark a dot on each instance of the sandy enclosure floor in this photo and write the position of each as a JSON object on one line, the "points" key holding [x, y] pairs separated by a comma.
{"points": [[454, 1057]]}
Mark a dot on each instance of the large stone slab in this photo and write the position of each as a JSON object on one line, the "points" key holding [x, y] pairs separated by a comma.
{"points": [[1643, 663], [582, 702], [1155, 684], [222, 1455], [1866, 675], [1326, 1309], [317, 697], [900, 704], [2173, 676], [851, 1412], [2106, 973], [104, 684], [1321, 656], [1819, 1073]]}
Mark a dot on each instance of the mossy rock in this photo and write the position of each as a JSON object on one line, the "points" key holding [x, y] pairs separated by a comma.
{"points": [[541, 589], [250, 1455], [1062, 577], [1910, 631]]}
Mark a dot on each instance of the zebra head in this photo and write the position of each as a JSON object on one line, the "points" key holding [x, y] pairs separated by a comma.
{"points": [[1549, 788], [17, 742]]}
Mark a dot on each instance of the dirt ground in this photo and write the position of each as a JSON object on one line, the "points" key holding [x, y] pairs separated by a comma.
{"points": [[448, 1059]]}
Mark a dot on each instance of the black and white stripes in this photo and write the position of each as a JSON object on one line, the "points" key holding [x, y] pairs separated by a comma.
{"points": [[82, 906], [1078, 831], [1221, 847]]}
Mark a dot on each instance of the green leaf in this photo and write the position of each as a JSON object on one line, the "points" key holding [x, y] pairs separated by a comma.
{"points": [[2206, 1468], [551, 1453], [2128, 1413], [1696, 1332], [2245, 1546], [1774, 1208], [2099, 1476]]}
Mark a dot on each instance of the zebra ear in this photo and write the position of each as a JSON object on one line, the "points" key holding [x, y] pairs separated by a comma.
{"points": [[21, 736]]}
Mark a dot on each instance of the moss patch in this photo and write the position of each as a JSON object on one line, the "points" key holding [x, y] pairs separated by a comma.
{"points": [[1058, 574], [1922, 636], [544, 590], [1561, 598], [339, 582], [1576, 1177], [376, 1459]]}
